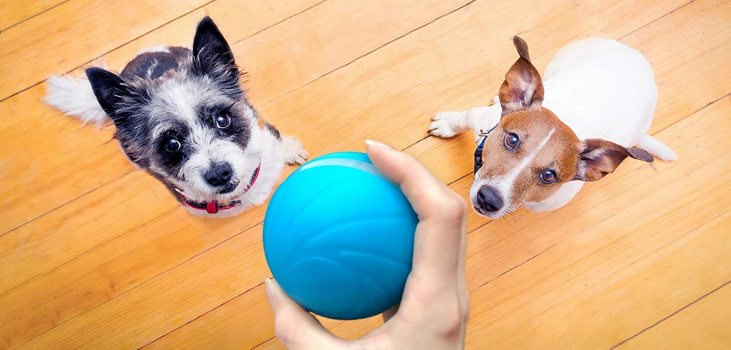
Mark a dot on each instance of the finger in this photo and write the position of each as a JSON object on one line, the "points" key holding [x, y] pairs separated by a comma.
{"points": [[464, 295], [442, 215], [424, 191], [296, 328], [436, 289]]}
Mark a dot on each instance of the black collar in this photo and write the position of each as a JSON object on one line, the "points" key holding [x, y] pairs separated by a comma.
{"points": [[480, 146]]}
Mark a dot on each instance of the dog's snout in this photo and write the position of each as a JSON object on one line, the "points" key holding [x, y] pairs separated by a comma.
{"points": [[219, 174], [488, 199]]}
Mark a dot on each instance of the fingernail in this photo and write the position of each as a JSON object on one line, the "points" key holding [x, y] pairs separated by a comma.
{"points": [[377, 144], [271, 294]]}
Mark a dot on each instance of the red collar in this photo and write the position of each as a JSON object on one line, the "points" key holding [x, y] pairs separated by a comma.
{"points": [[213, 207]]}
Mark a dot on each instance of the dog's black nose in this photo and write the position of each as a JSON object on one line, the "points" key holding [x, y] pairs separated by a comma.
{"points": [[219, 174], [488, 199]]}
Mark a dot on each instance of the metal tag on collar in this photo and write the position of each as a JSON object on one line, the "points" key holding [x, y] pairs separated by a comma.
{"points": [[480, 146]]}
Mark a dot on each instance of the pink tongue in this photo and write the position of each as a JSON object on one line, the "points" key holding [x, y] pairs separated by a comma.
{"points": [[211, 207]]}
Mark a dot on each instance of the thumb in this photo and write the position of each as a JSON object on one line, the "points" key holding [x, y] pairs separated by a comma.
{"points": [[423, 190], [296, 328]]}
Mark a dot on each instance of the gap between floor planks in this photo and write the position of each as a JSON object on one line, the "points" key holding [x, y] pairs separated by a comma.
{"points": [[672, 314], [147, 33]]}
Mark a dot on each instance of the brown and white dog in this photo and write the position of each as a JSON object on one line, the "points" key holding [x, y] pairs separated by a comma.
{"points": [[549, 136]]}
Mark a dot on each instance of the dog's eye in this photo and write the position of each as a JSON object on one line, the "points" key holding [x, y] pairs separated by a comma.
{"points": [[548, 177], [172, 145], [511, 141], [222, 120]]}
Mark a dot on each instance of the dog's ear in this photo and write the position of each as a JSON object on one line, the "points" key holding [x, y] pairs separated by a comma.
{"points": [[211, 54], [598, 158], [522, 88], [109, 90]]}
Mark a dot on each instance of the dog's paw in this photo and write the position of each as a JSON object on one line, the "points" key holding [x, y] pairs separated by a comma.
{"points": [[294, 151], [443, 124]]}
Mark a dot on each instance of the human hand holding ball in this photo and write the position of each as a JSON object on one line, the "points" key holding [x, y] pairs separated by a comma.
{"points": [[339, 237], [434, 306]]}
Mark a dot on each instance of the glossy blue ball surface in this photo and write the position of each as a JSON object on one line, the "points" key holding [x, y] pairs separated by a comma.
{"points": [[339, 237]]}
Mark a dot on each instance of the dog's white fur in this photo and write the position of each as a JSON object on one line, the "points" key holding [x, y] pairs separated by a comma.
{"points": [[75, 97], [600, 88]]}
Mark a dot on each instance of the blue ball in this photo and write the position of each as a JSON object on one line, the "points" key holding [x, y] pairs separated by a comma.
{"points": [[339, 237]]}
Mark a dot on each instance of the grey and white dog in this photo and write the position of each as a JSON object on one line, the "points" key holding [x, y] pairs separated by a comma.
{"points": [[181, 115]]}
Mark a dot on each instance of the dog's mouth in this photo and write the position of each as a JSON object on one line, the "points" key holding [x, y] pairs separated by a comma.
{"points": [[478, 210], [228, 188], [238, 188], [489, 214], [229, 195]]}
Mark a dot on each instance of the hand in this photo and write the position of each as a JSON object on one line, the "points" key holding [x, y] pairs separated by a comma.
{"points": [[435, 306]]}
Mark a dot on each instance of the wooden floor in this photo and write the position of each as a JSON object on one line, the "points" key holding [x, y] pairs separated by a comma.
{"points": [[97, 255]]}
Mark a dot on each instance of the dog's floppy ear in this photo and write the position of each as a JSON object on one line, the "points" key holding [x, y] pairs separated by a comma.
{"points": [[598, 158], [522, 88], [109, 90], [211, 54]]}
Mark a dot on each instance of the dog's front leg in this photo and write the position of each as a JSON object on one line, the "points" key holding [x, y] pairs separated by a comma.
{"points": [[449, 124], [293, 150]]}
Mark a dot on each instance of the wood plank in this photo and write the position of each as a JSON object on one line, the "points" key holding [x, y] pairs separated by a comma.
{"points": [[674, 46], [332, 35], [14, 11], [501, 253], [171, 299], [106, 264], [702, 324], [258, 53], [241, 333], [104, 269], [610, 283], [230, 327], [27, 62]]}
